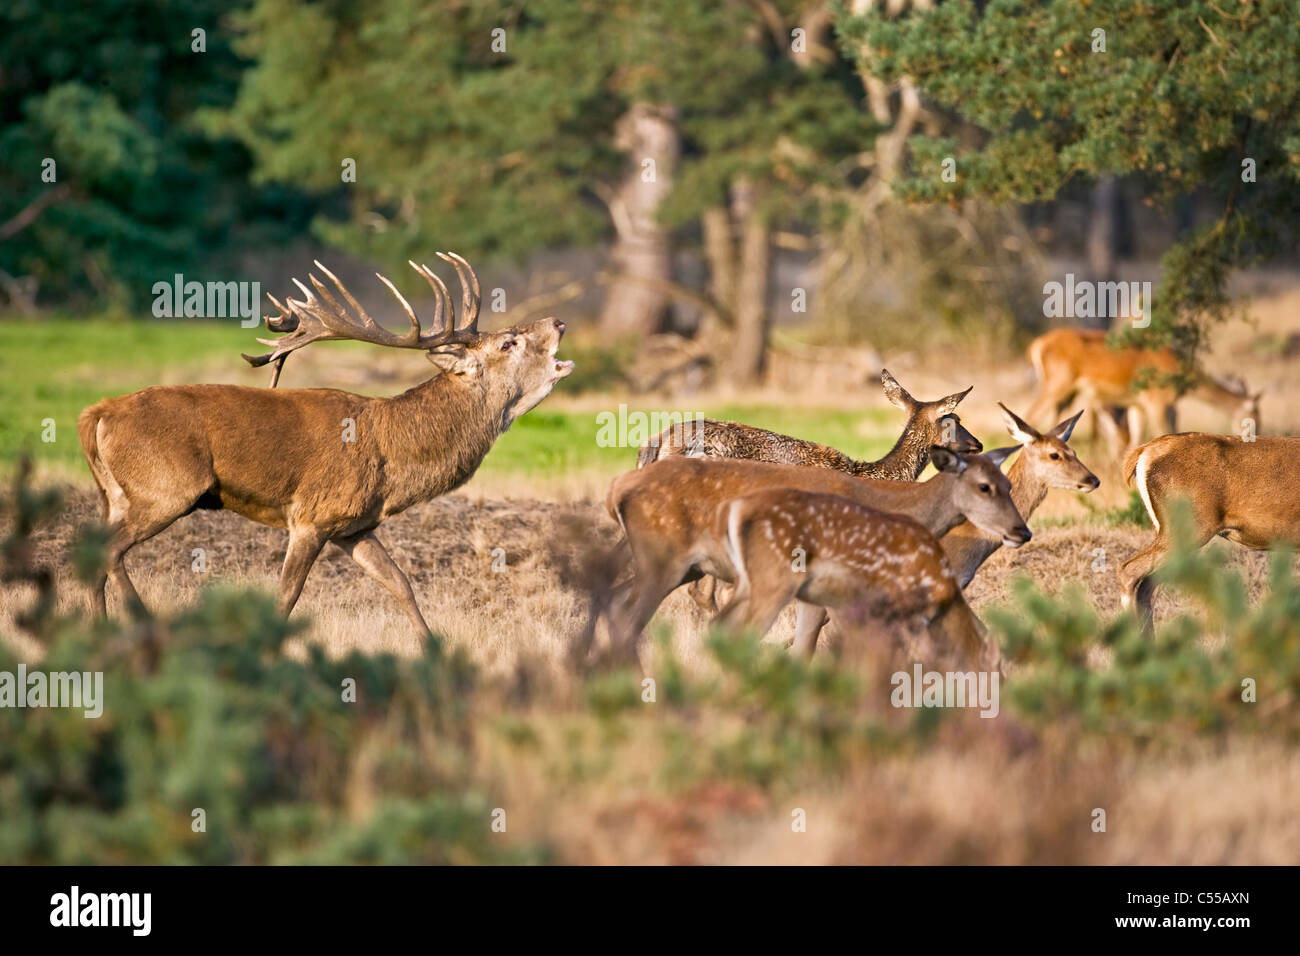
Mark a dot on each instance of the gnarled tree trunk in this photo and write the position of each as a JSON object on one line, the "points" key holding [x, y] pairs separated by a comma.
{"points": [[642, 254], [752, 318]]}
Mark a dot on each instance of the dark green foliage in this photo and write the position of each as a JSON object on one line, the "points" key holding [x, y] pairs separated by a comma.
{"points": [[1184, 93], [110, 91]]}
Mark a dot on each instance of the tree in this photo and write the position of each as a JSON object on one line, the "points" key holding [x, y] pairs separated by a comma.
{"points": [[107, 184], [1187, 94]]}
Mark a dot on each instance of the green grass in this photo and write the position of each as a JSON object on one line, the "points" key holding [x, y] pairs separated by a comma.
{"points": [[53, 369]]}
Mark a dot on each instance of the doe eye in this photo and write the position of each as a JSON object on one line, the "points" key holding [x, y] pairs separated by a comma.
{"points": [[1055, 456], [985, 488]]}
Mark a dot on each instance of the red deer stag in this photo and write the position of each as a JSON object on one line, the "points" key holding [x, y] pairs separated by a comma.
{"points": [[324, 464], [668, 514], [1244, 491], [886, 567], [1045, 461]]}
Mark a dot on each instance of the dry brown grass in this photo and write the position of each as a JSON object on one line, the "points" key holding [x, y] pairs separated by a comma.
{"points": [[983, 791]]}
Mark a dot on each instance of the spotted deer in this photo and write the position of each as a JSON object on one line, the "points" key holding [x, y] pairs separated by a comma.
{"points": [[886, 567], [324, 464], [668, 514], [1045, 461], [1244, 491], [1079, 363], [928, 424]]}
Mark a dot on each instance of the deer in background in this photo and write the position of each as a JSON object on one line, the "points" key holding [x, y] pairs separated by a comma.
{"points": [[1244, 491], [1078, 362], [886, 567], [668, 513], [324, 464], [928, 424], [1045, 461]]}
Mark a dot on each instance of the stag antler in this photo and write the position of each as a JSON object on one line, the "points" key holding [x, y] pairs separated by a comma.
{"points": [[320, 316]]}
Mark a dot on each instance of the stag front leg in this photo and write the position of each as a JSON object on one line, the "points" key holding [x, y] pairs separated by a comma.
{"points": [[367, 551], [304, 546]]}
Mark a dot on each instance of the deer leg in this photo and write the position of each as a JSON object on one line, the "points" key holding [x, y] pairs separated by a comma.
{"points": [[705, 594], [134, 525], [757, 613], [1116, 440], [368, 552], [957, 628], [808, 622], [638, 605], [305, 543], [1137, 588], [1052, 395]]}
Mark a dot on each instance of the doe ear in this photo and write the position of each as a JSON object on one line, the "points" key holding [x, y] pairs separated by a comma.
{"points": [[945, 460], [1066, 428], [454, 359], [998, 455], [1017, 427], [949, 403], [896, 394]]}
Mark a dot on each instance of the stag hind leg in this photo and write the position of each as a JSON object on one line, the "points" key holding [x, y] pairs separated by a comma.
{"points": [[373, 558]]}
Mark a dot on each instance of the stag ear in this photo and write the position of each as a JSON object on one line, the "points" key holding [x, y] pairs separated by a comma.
{"points": [[945, 460], [949, 403], [1017, 427], [896, 394], [1064, 430], [455, 359]]}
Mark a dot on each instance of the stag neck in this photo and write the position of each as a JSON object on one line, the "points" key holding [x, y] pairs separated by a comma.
{"points": [[435, 435]]}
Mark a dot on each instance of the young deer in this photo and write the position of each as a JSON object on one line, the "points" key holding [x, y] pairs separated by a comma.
{"points": [[1079, 362], [1244, 491], [928, 424], [886, 567], [327, 465], [668, 514], [1045, 461]]}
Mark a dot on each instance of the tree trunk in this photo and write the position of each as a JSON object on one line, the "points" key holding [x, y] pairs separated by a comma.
{"points": [[641, 250], [749, 352], [720, 252], [1103, 237]]}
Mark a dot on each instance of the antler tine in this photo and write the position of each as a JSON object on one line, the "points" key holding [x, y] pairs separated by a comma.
{"points": [[441, 297], [365, 317], [320, 316], [414, 334], [469, 295]]}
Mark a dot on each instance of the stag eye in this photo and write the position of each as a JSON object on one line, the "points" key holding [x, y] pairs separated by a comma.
{"points": [[506, 345]]}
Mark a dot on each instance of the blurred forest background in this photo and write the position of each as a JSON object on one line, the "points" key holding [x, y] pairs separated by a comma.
{"points": [[710, 181]]}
